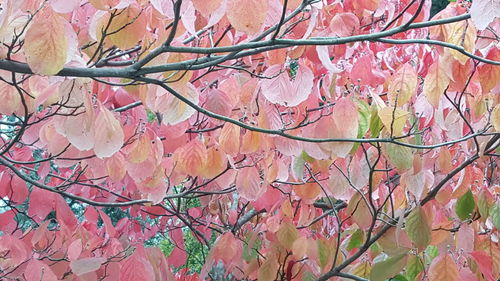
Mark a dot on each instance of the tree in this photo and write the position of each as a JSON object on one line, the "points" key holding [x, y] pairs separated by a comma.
{"points": [[293, 140]]}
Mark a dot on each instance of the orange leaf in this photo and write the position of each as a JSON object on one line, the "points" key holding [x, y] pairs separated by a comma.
{"points": [[227, 248], [115, 165], [443, 268], [217, 163], [49, 43], [191, 158], [126, 28], [344, 124], [247, 15], [206, 7], [308, 191], [360, 212], [229, 139]]}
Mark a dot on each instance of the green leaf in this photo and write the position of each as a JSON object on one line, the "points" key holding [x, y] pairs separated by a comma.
{"points": [[495, 215], [375, 123], [418, 228], [298, 167], [398, 277], [400, 156], [250, 254], [414, 267], [307, 157], [465, 205], [308, 276], [356, 240], [388, 268], [363, 121], [431, 253]]}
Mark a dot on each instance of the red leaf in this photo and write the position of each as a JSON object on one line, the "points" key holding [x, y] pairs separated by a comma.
{"points": [[485, 263], [178, 256]]}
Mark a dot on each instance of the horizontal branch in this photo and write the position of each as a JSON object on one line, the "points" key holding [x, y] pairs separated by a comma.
{"points": [[294, 137], [438, 43]]}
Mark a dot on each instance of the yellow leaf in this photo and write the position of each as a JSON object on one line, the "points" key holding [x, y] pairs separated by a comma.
{"points": [[140, 150], [268, 270], [461, 34], [49, 43], [435, 83], [388, 114], [104, 4], [399, 156], [287, 234], [402, 85], [495, 118], [126, 28], [362, 270]]}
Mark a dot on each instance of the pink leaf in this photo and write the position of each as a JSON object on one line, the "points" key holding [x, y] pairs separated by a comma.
{"points": [[64, 213], [74, 250], [344, 24], [64, 6], [281, 90], [178, 256], [110, 229], [249, 184], [86, 265], [41, 202], [108, 134], [137, 267], [37, 270]]}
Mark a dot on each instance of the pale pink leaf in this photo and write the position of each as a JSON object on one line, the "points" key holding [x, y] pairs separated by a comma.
{"points": [[74, 249], [108, 134], [86, 265], [248, 183], [64, 6], [483, 12], [279, 89]]}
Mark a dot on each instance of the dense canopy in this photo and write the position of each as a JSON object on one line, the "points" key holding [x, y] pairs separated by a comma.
{"points": [[249, 139]]}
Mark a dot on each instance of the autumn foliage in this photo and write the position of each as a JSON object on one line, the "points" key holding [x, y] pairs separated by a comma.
{"points": [[293, 139]]}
